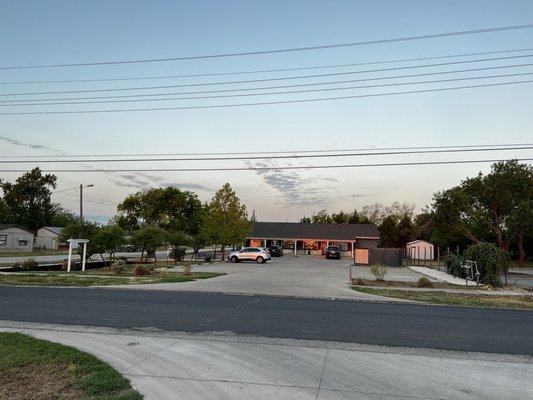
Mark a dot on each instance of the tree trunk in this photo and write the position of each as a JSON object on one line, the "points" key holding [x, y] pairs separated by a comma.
{"points": [[521, 250], [142, 254]]}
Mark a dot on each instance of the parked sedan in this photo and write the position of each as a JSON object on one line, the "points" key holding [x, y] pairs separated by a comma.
{"points": [[257, 254], [275, 251], [333, 252]]}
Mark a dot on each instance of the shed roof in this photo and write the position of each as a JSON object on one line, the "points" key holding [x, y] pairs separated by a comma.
{"points": [[295, 230], [54, 229], [418, 241], [5, 226]]}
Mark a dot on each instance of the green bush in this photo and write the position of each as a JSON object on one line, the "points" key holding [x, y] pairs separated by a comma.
{"points": [[491, 262], [379, 271], [453, 264], [29, 265], [118, 267], [177, 253], [73, 265], [141, 270], [424, 283]]}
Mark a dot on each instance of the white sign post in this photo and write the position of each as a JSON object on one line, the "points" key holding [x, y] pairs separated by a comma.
{"points": [[72, 244]]}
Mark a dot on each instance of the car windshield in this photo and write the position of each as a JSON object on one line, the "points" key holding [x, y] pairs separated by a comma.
{"points": [[332, 248]]}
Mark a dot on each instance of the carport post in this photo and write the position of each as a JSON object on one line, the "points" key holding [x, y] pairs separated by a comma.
{"points": [[295, 246], [264, 243], [353, 244], [69, 255]]}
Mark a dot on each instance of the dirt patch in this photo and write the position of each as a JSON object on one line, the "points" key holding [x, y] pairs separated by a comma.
{"points": [[38, 382]]}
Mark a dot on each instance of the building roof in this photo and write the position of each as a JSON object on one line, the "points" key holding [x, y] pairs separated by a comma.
{"points": [[418, 241], [295, 230], [54, 229], [5, 226]]}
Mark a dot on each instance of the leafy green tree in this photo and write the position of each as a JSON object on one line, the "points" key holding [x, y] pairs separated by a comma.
{"points": [[83, 230], [178, 241], [491, 262], [109, 239], [388, 231], [148, 239], [62, 217], [321, 217], [305, 220], [168, 208], [199, 241], [28, 201], [226, 221]]}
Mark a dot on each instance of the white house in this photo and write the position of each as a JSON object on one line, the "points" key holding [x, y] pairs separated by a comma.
{"points": [[15, 238], [48, 237], [420, 250]]}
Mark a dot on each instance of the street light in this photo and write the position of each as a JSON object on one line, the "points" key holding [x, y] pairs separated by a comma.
{"points": [[81, 199]]}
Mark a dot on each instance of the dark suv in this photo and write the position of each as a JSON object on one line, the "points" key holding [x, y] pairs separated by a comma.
{"points": [[275, 251], [333, 252]]}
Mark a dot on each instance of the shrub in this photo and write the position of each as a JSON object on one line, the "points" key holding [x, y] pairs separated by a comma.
{"points": [[177, 253], [29, 265], [360, 282], [122, 258], [118, 267], [491, 262], [16, 266], [379, 271], [141, 270], [424, 282], [453, 264], [186, 269]]}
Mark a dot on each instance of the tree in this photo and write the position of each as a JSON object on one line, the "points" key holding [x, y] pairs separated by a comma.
{"points": [[486, 208], [199, 241], [226, 221], [62, 217], [168, 208], [178, 241], [388, 231], [148, 239], [377, 212], [109, 239], [28, 201], [82, 230], [321, 217]]}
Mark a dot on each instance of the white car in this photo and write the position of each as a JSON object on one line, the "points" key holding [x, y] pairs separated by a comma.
{"points": [[257, 254]]}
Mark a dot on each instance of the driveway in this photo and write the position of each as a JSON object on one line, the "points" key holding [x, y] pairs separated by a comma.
{"points": [[302, 276]]}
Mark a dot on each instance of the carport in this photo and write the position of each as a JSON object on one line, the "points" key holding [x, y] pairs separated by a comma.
{"points": [[302, 238]]}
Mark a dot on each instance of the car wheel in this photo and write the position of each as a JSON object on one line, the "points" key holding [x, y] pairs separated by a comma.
{"points": [[234, 259], [259, 260]]}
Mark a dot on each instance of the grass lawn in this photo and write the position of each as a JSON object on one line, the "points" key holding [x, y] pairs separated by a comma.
{"points": [[40, 370], [456, 299], [441, 285], [84, 279]]}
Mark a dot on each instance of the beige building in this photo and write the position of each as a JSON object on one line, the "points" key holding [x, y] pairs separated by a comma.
{"points": [[48, 237], [420, 250], [15, 238]]}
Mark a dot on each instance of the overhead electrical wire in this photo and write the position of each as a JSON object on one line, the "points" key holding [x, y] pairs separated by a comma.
{"points": [[269, 87], [290, 167], [267, 157], [278, 152], [264, 103], [263, 71], [267, 93], [274, 51], [269, 79]]}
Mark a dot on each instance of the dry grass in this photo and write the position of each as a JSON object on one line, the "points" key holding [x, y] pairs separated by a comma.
{"points": [[456, 299]]}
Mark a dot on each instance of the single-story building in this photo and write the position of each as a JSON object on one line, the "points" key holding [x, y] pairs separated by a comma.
{"points": [[15, 238], [420, 250], [302, 238], [48, 237]]}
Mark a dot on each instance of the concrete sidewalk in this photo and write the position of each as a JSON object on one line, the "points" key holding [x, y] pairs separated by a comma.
{"points": [[442, 276], [173, 365]]}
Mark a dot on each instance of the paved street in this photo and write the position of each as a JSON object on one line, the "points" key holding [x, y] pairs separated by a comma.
{"points": [[172, 366], [406, 325]]}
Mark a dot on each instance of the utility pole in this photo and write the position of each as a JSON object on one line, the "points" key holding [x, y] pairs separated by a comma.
{"points": [[81, 200]]}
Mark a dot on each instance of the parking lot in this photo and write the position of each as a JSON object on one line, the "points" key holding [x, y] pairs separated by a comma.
{"points": [[303, 276]]}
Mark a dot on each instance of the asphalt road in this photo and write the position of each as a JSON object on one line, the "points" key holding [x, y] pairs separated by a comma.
{"points": [[406, 325]]}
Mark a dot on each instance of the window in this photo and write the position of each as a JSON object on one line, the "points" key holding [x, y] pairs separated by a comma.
{"points": [[3, 240], [23, 242]]}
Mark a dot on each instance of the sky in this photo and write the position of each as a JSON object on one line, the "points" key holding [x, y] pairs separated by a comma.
{"points": [[52, 32]]}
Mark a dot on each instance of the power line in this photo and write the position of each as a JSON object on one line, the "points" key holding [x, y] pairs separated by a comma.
{"points": [[268, 93], [282, 151], [262, 71], [209, 106], [291, 167], [284, 50], [270, 79], [271, 87], [270, 157]]}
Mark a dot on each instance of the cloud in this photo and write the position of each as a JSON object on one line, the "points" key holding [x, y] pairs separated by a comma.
{"points": [[140, 180], [362, 195], [16, 142], [294, 188]]}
